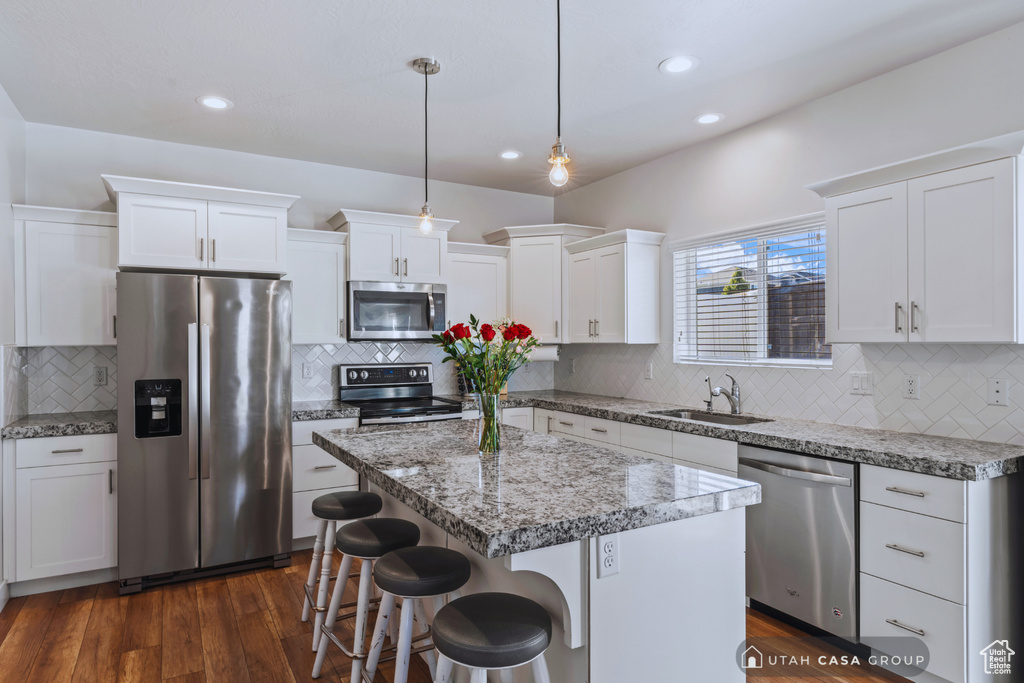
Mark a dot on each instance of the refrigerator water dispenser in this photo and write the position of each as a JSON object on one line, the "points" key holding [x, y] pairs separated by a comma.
{"points": [[157, 408]]}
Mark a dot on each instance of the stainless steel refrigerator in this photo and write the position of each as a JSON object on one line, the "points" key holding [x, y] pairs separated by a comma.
{"points": [[204, 423]]}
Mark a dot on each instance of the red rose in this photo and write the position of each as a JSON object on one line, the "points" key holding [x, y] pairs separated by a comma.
{"points": [[448, 338], [487, 332], [524, 331], [461, 331], [510, 333]]}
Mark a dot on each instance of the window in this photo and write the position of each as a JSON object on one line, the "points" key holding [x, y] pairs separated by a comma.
{"points": [[758, 299]]}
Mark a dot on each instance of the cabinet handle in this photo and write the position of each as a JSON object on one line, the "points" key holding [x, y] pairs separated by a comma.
{"points": [[396, 267], [111, 479], [905, 492], [908, 551], [68, 450], [896, 622], [565, 424], [213, 250], [599, 431], [341, 327], [405, 264], [913, 316], [590, 328], [556, 329], [115, 327], [201, 248], [325, 467], [597, 328], [898, 309]]}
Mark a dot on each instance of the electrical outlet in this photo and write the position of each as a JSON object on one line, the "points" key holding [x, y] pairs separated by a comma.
{"points": [[911, 386], [572, 367], [607, 555], [862, 384], [649, 371], [99, 376], [307, 371], [999, 391]]}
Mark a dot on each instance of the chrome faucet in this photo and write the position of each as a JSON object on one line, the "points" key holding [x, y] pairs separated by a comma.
{"points": [[711, 394], [733, 395]]}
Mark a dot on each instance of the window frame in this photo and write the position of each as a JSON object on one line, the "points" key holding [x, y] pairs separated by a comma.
{"points": [[759, 233]]}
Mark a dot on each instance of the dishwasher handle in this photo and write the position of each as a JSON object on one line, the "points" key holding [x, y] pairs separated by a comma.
{"points": [[797, 474]]}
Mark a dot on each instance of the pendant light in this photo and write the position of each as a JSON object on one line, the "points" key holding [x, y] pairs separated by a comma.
{"points": [[428, 67], [558, 175]]}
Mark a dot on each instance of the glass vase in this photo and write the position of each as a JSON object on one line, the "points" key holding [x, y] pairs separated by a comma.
{"points": [[489, 423]]}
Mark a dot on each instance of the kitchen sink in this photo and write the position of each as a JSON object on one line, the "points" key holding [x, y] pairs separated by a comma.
{"points": [[714, 418]]}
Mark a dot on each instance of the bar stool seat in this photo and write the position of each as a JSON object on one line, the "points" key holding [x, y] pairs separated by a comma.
{"points": [[372, 538], [421, 571], [492, 630], [340, 505]]}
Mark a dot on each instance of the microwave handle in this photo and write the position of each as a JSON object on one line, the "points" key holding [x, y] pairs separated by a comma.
{"points": [[430, 301]]}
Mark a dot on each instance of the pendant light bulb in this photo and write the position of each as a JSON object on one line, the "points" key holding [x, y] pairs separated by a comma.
{"points": [[559, 174], [426, 222]]}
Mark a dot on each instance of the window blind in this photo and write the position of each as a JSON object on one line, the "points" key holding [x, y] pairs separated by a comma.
{"points": [[753, 299]]}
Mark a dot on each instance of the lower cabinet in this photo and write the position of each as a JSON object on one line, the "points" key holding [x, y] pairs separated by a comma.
{"points": [[315, 472], [518, 417], [65, 506]]}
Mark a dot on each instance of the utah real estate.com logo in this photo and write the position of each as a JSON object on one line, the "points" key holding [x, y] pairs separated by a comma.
{"points": [[997, 657]]}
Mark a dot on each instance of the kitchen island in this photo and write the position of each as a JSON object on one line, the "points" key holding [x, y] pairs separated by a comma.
{"points": [[640, 563]]}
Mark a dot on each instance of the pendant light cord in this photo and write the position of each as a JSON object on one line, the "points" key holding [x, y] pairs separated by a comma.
{"points": [[558, 29], [426, 156]]}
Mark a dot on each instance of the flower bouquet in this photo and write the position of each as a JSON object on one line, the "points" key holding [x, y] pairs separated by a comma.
{"points": [[487, 355]]}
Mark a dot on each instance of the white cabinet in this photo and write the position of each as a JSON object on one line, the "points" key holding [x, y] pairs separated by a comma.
{"points": [[542, 420], [315, 472], [65, 506], [518, 417], [538, 270], [929, 259], [389, 247], [65, 266], [179, 226], [477, 282], [614, 288], [316, 268]]}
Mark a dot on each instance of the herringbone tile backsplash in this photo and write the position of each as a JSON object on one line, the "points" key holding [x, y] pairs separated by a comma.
{"points": [[15, 383], [60, 378], [953, 385]]}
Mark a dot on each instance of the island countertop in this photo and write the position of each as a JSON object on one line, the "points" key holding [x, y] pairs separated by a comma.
{"points": [[540, 491]]}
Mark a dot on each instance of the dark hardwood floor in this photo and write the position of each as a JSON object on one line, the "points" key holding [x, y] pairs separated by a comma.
{"points": [[242, 627]]}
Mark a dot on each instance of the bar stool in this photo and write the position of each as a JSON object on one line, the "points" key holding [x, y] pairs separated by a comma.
{"points": [[412, 574], [330, 509], [368, 540], [488, 631]]}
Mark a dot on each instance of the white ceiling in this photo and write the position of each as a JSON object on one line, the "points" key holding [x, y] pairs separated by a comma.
{"points": [[329, 80]]}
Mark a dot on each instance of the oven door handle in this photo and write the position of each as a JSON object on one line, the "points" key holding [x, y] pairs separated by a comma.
{"points": [[797, 474], [436, 417]]}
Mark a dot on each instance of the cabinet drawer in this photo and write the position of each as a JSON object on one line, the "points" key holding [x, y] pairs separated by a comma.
{"points": [[647, 439], [703, 450], [914, 550], [942, 622], [568, 424], [921, 493], [303, 521], [542, 420], [645, 454], [704, 468], [66, 450], [302, 430], [605, 431], [312, 468], [518, 417]]}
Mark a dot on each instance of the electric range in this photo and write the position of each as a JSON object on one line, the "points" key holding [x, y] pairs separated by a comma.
{"points": [[389, 394]]}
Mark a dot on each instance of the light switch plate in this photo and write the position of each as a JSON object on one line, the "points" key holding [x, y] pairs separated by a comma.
{"points": [[607, 555], [862, 384], [649, 371], [999, 391]]}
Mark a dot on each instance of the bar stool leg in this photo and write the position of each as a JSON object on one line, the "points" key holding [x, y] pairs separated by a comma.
{"points": [[540, 669], [332, 613], [444, 669], [318, 552], [393, 625], [421, 616], [380, 631], [477, 676], [325, 580], [362, 607], [506, 675], [404, 643]]}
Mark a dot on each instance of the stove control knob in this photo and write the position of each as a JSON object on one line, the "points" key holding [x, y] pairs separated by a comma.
{"points": [[352, 374], [423, 373], [412, 372], [364, 374]]}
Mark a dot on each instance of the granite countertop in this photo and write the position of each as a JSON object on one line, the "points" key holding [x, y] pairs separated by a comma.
{"points": [[963, 459], [62, 424], [303, 411], [540, 491]]}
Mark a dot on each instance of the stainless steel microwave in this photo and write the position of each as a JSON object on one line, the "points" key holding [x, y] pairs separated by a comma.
{"points": [[395, 311]]}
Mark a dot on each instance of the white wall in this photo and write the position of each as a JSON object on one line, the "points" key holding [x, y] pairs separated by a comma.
{"points": [[757, 174], [64, 167]]}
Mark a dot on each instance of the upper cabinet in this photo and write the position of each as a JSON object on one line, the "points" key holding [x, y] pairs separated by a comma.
{"points": [[538, 274], [613, 288], [389, 247], [64, 273], [316, 268], [180, 226], [477, 282], [933, 258]]}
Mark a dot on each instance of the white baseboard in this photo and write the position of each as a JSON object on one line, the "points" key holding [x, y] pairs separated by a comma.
{"points": [[5, 594], [56, 583], [303, 543]]}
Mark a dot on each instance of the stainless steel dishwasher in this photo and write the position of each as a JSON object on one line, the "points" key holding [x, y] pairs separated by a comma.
{"points": [[802, 538]]}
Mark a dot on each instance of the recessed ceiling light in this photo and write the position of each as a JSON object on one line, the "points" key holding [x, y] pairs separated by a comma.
{"points": [[709, 118], [214, 102], [511, 154], [678, 64]]}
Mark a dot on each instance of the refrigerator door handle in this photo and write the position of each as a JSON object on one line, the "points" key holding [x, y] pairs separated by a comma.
{"points": [[204, 400], [193, 401]]}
